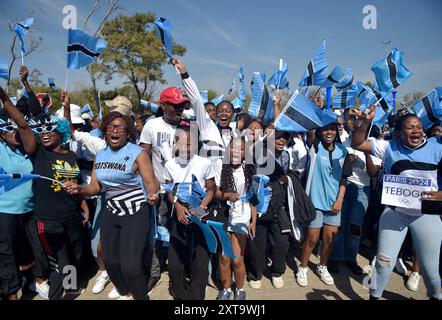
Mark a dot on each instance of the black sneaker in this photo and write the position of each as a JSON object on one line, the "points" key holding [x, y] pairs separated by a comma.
{"points": [[152, 283], [332, 266], [353, 266]]}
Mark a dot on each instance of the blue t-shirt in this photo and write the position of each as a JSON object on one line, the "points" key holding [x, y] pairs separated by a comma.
{"points": [[326, 178], [20, 199], [124, 188]]}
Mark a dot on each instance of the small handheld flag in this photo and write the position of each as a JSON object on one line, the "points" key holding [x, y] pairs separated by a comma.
{"points": [[316, 71], [345, 99], [232, 87], [21, 29], [163, 27], [390, 72], [52, 84], [217, 100], [259, 193], [87, 109], [242, 87], [261, 105], [149, 105], [83, 49], [302, 115], [429, 109], [9, 181], [4, 70], [279, 79], [204, 96]]}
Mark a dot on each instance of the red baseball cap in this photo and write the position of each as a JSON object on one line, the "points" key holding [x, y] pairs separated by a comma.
{"points": [[172, 95]]}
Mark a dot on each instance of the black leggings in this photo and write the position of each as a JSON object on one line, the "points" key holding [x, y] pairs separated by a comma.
{"points": [[123, 241]]}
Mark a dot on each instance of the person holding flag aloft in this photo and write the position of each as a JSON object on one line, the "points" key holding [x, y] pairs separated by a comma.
{"points": [[410, 156]]}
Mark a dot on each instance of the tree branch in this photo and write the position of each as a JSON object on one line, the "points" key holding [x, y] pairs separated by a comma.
{"points": [[94, 8], [113, 6]]}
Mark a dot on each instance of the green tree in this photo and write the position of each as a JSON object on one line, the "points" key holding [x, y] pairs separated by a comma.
{"points": [[135, 52]]}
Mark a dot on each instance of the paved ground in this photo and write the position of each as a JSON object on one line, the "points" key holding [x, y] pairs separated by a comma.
{"points": [[347, 286]]}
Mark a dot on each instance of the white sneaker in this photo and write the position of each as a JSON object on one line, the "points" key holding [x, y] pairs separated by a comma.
{"points": [[255, 284], [101, 282], [301, 276], [128, 297], [413, 281], [113, 294], [41, 288], [277, 282], [325, 275], [400, 267]]}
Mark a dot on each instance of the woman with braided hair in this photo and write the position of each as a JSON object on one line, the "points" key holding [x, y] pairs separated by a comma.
{"points": [[233, 180]]}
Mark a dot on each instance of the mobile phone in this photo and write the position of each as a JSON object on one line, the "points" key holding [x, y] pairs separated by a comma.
{"points": [[431, 207]]}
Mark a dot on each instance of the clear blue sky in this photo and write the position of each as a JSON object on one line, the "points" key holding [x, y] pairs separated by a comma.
{"points": [[222, 35]]}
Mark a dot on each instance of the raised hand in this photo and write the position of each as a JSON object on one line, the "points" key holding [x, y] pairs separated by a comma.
{"points": [[179, 64], [24, 74]]}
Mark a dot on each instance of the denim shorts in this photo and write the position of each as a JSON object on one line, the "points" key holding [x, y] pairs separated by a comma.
{"points": [[325, 217]]}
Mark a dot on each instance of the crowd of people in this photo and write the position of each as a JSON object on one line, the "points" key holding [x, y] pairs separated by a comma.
{"points": [[108, 176]]}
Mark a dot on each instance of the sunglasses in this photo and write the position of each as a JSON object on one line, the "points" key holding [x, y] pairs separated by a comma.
{"points": [[8, 128], [119, 127], [48, 129]]}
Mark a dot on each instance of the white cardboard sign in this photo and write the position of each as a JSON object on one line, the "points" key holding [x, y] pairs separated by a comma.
{"points": [[404, 192]]}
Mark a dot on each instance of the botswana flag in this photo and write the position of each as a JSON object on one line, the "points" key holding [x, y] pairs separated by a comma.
{"points": [[163, 27], [383, 108], [316, 71], [347, 81], [188, 192], [345, 99], [390, 72], [302, 115], [21, 29], [87, 109], [204, 96], [232, 87], [83, 49], [226, 242], [259, 193], [365, 94], [52, 85], [336, 76], [149, 105], [237, 103], [4, 70], [279, 79], [429, 109], [261, 105], [242, 87], [217, 100], [13, 180]]}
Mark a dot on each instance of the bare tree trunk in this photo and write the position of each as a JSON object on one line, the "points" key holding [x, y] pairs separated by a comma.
{"points": [[95, 91]]}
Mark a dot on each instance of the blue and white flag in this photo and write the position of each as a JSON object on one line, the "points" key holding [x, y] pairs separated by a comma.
{"points": [[211, 241], [4, 66], [347, 81], [52, 85], [383, 109], [100, 115], [163, 27], [226, 242], [242, 87], [279, 79], [237, 103], [316, 71], [365, 94], [204, 96], [429, 109], [261, 105], [149, 105], [21, 29], [83, 49], [9, 181], [217, 100], [390, 72], [345, 99], [87, 109], [232, 87], [259, 193], [188, 192], [302, 115]]}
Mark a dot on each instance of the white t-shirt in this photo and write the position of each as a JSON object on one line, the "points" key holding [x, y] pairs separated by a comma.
{"points": [[161, 136], [298, 156], [179, 170], [239, 212], [359, 175]]}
